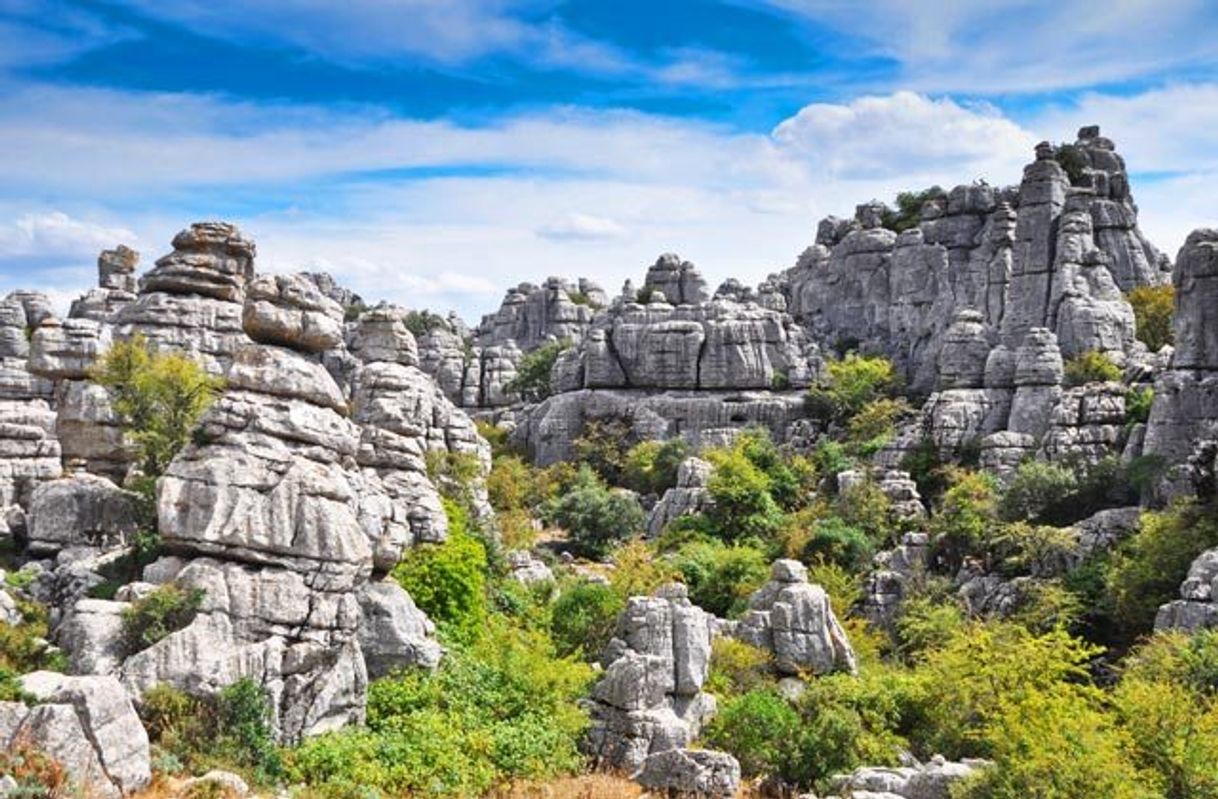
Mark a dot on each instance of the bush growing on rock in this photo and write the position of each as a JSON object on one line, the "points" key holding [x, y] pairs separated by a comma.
{"points": [[1091, 367], [448, 581], [851, 383], [532, 380], [163, 611], [1147, 568], [158, 398], [1153, 311]]}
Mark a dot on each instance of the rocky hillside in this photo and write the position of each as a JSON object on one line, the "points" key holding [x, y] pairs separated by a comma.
{"points": [[929, 513]]}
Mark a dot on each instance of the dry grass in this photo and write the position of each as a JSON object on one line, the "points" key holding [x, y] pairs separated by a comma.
{"points": [[585, 786]]}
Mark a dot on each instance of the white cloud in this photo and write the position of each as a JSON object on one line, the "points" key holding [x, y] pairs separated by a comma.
{"points": [[1019, 45], [54, 234], [582, 227], [580, 192]]}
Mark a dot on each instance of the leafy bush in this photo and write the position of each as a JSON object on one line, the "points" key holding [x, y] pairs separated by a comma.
{"points": [[1073, 160], [11, 689], [637, 571], [1138, 401], [454, 473], [1037, 492], [737, 667], [791, 477], [603, 445], [966, 684], [875, 423], [1153, 311], [720, 577], [1091, 367], [926, 623], [163, 611], [1036, 549], [23, 646], [532, 380], [583, 619], [651, 466], [595, 516], [908, 212], [762, 730], [967, 514], [157, 397], [448, 581], [1148, 567], [420, 323], [500, 708], [743, 506], [850, 384], [835, 541]]}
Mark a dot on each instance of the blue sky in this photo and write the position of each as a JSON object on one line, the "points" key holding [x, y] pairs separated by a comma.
{"points": [[435, 152]]}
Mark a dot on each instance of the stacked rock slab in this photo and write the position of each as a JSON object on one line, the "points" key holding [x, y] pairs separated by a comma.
{"points": [[1197, 607], [532, 315], [650, 699], [932, 780], [264, 513], [29, 450], [689, 496], [1183, 425], [192, 300], [116, 286], [792, 619], [1047, 254]]}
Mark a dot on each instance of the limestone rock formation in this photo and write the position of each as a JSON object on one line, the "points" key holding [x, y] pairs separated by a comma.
{"points": [[1197, 607], [192, 300], [650, 698], [81, 510], [691, 773], [689, 496], [791, 618], [1184, 417], [86, 723], [116, 286], [932, 780]]}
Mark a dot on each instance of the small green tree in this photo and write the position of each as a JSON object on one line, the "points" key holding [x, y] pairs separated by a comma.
{"points": [[158, 398], [532, 380], [1153, 311], [851, 383], [1091, 367], [448, 581], [594, 515]]}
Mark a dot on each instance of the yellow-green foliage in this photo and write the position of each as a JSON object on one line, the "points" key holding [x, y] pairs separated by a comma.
{"points": [[1091, 367], [1153, 310], [500, 708], [448, 581], [737, 667], [851, 383], [1147, 568], [165, 610], [874, 424], [158, 398], [23, 646], [637, 571]]}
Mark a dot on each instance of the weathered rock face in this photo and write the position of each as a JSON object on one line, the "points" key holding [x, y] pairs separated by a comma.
{"points": [[82, 510], [531, 315], [29, 450], [116, 286], [650, 698], [897, 572], [393, 632], [192, 301], [930, 781], [791, 618], [86, 723], [1184, 417], [289, 310], [1045, 255], [691, 773], [688, 497]]}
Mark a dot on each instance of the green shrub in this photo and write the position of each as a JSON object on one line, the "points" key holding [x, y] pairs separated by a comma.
{"points": [[448, 581], [737, 667], [1138, 402], [720, 577], [761, 729], [835, 541], [908, 212], [743, 506], [650, 467], [966, 684], [1037, 492], [595, 516], [157, 397], [420, 323], [1091, 367], [498, 709], [849, 384], [925, 623], [1037, 549], [1073, 160], [11, 689], [829, 459], [869, 430], [163, 611], [23, 646], [583, 619], [1153, 311], [243, 727], [532, 380], [1148, 567], [603, 445], [792, 478]]}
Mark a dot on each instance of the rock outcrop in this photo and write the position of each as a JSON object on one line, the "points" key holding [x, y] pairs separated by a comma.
{"points": [[649, 700], [792, 619], [689, 496], [1197, 607]]}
